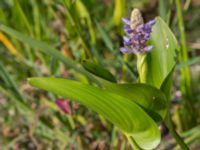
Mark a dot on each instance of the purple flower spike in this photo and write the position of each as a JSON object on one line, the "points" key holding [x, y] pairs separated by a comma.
{"points": [[64, 105], [136, 42]]}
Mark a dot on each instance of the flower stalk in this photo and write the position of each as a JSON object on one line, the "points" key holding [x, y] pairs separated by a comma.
{"points": [[142, 67]]}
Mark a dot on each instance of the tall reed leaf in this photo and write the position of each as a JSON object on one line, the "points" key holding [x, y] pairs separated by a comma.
{"points": [[47, 49]]}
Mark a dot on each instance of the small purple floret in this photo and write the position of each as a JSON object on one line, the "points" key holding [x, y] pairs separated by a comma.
{"points": [[125, 50], [136, 42], [126, 21], [148, 48]]}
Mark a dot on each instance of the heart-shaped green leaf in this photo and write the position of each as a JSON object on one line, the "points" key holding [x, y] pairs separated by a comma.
{"points": [[122, 112], [155, 66]]}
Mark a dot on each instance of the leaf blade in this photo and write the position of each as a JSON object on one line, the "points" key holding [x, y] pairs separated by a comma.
{"points": [[159, 62], [151, 99], [120, 111]]}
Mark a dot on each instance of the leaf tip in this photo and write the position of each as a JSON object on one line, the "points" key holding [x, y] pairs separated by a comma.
{"points": [[31, 81]]}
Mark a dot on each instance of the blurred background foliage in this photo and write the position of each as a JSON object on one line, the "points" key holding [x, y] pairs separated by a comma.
{"points": [[79, 30]]}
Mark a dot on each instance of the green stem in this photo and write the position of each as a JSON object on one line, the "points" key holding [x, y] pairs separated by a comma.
{"points": [[142, 67], [173, 132]]}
